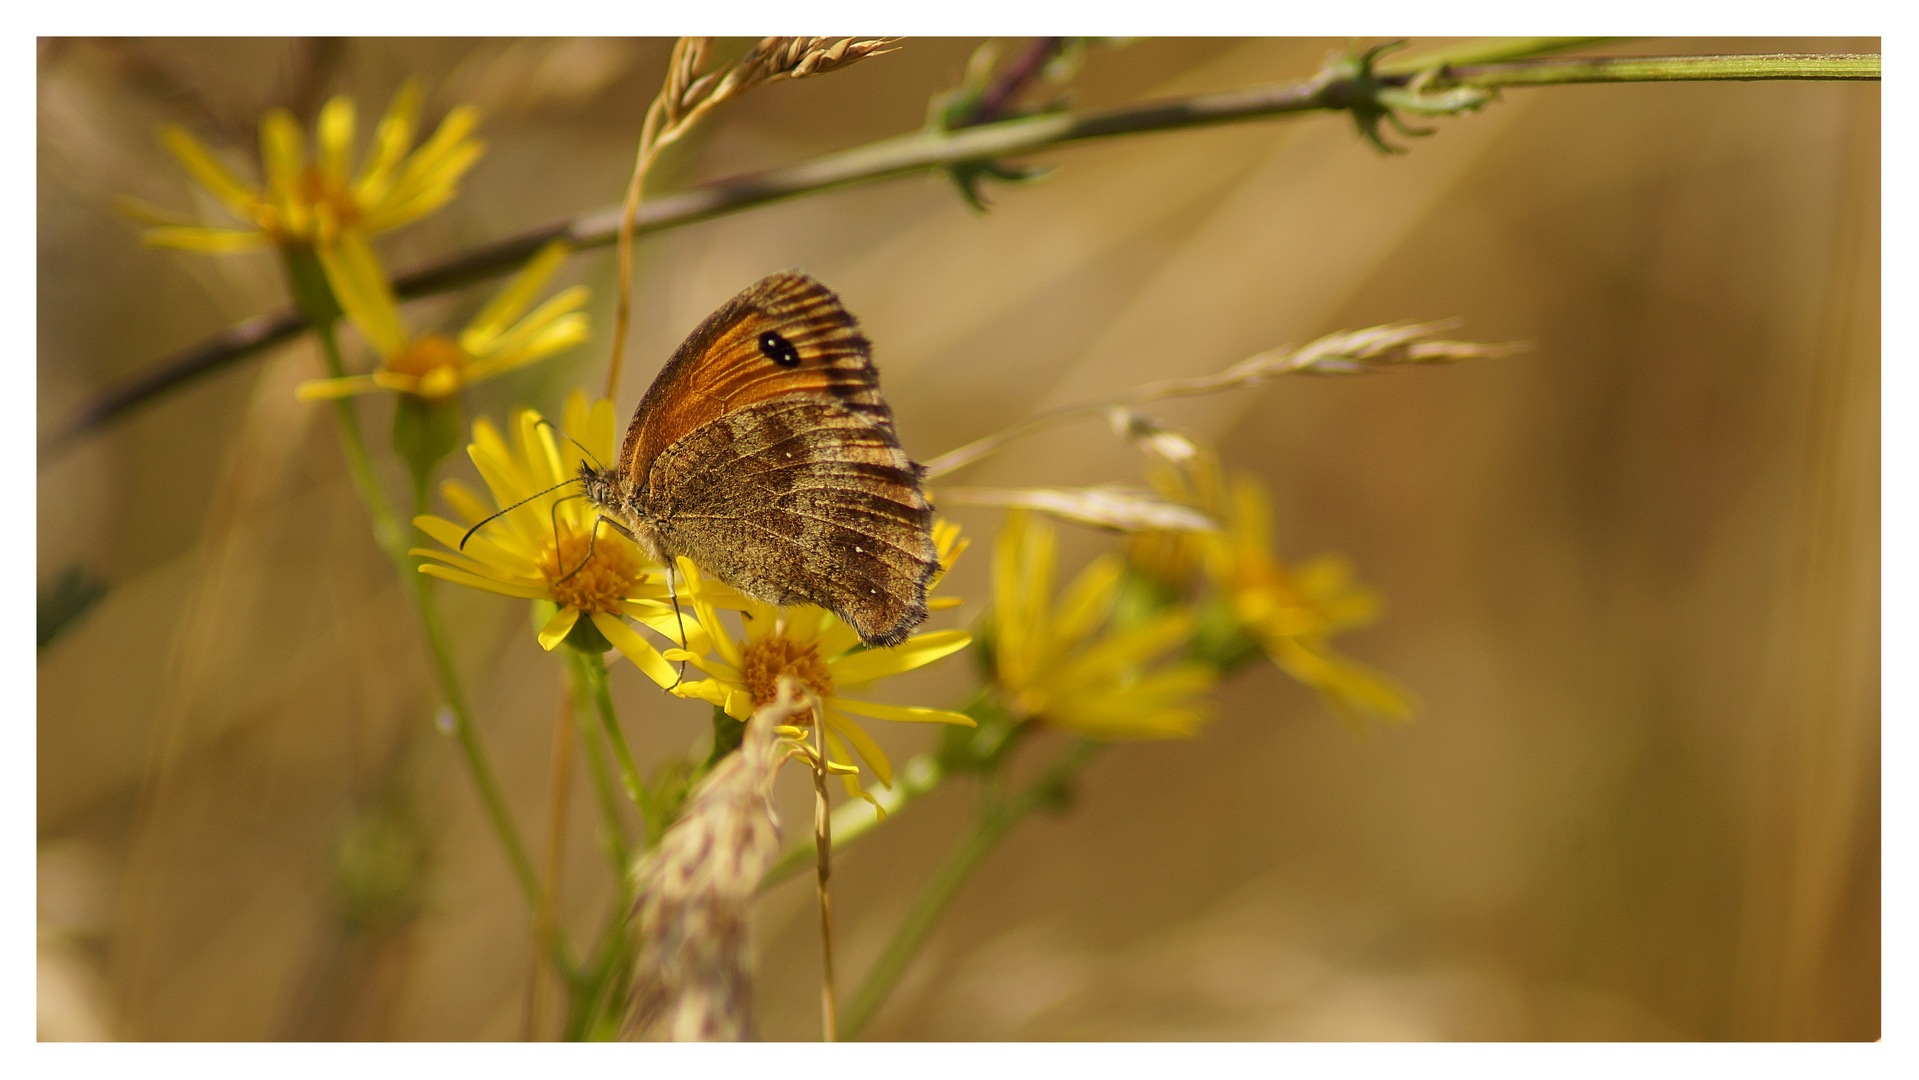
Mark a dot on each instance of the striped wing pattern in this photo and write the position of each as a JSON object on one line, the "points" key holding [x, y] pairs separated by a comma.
{"points": [[786, 479]]}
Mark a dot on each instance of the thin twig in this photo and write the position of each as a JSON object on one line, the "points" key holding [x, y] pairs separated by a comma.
{"points": [[918, 152]]}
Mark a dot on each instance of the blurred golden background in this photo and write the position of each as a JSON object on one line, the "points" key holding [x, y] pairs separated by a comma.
{"points": [[1633, 573]]}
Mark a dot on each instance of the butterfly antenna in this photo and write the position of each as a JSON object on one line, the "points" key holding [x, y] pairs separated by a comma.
{"points": [[544, 422], [516, 506]]}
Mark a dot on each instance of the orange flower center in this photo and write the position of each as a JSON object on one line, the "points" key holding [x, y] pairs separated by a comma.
{"points": [[435, 361], [771, 657], [426, 355], [328, 206], [599, 584]]}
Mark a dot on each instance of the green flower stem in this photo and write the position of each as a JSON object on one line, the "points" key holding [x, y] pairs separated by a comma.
{"points": [[617, 852], [995, 821], [590, 1014], [1499, 62], [595, 667], [386, 528], [392, 538]]}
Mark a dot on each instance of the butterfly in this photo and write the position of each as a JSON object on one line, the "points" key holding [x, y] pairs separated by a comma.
{"points": [[765, 454]]}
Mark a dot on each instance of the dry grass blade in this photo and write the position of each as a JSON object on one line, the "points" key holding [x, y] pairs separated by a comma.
{"points": [[1375, 348], [1349, 352], [1106, 506], [694, 977]]}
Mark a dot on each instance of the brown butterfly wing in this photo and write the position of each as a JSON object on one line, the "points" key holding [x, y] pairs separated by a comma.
{"points": [[778, 471], [722, 367]]}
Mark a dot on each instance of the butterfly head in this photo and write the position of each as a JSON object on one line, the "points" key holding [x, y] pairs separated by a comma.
{"points": [[607, 489]]}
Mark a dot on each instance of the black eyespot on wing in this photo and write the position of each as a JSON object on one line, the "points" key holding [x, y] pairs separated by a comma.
{"points": [[779, 350]]}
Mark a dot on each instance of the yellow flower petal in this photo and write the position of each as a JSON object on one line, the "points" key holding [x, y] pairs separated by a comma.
{"points": [[669, 625], [345, 386], [475, 581], [569, 331], [393, 214], [728, 649], [390, 140], [636, 648], [563, 305], [210, 174], [1087, 600], [509, 303], [444, 144], [465, 502], [358, 282], [335, 130], [837, 638], [1344, 682], [487, 547], [1128, 649], [558, 627], [919, 651], [146, 213], [908, 713], [472, 566], [197, 238], [282, 150], [707, 690], [863, 743]]}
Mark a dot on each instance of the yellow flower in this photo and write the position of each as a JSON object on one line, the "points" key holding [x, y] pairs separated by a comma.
{"points": [[313, 204], [434, 366], [538, 551], [823, 652], [1292, 612], [1057, 669]]}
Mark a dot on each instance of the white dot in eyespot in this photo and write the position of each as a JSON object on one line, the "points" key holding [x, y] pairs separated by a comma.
{"points": [[789, 453], [859, 549]]}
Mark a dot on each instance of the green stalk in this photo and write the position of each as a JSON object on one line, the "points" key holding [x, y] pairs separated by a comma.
{"points": [[1567, 72], [595, 668], [617, 852], [392, 539], [1487, 51], [995, 821], [597, 986]]}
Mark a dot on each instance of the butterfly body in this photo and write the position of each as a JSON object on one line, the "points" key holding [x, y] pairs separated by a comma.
{"points": [[764, 453]]}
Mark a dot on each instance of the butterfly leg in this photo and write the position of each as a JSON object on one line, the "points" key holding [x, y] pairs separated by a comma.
{"points": [[592, 537], [673, 594]]}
